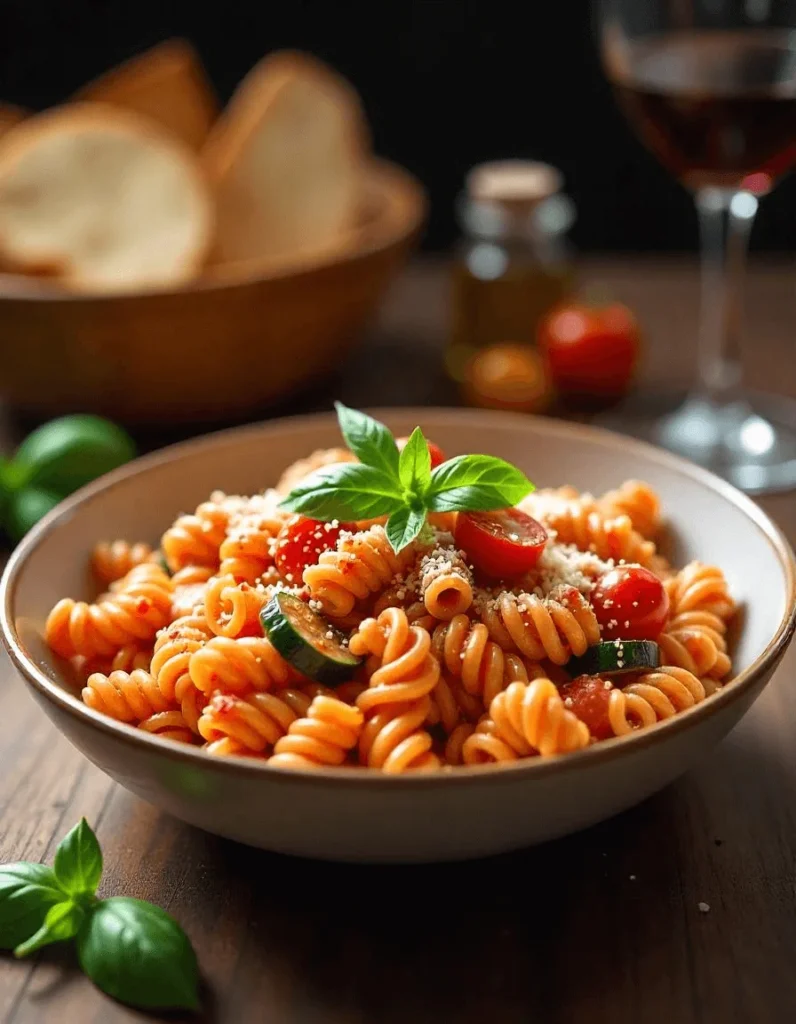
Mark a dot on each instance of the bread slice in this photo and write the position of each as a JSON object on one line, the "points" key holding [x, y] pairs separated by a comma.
{"points": [[102, 199], [168, 84], [286, 161]]}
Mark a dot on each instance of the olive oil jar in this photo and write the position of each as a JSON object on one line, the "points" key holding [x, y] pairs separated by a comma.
{"points": [[513, 263]]}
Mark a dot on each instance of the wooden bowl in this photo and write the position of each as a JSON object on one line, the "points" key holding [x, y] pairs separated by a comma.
{"points": [[228, 343], [359, 814]]}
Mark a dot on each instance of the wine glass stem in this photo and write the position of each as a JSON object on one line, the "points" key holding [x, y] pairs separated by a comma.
{"points": [[725, 221]]}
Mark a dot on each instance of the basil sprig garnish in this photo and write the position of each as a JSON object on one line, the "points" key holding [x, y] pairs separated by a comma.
{"points": [[402, 485], [130, 949]]}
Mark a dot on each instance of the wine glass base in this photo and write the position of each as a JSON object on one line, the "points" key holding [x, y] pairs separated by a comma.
{"points": [[750, 441]]}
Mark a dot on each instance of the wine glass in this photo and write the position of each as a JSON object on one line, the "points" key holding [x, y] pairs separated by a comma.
{"points": [[710, 87]]}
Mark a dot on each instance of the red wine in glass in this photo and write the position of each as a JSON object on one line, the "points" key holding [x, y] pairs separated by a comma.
{"points": [[716, 108]]}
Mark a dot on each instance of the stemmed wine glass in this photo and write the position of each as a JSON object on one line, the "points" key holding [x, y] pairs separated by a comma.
{"points": [[710, 86]]}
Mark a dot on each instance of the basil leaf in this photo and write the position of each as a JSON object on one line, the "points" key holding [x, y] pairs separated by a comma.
{"points": [[403, 526], [369, 440], [66, 453], [476, 483], [414, 466], [62, 922], [138, 954], [27, 892], [348, 490], [78, 861], [26, 507]]}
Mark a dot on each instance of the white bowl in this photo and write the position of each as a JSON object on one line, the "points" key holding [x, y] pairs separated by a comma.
{"points": [[358, 814]]}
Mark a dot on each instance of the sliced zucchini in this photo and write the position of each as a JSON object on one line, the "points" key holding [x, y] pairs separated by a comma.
{"points": [[613, 657], [307, 641]]}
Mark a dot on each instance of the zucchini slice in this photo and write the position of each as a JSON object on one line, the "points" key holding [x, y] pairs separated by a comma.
{"points": [[307, 641], [614, 657]]}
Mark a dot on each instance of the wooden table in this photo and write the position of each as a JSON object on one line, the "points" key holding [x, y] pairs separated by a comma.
{"points": [[604, 926]]}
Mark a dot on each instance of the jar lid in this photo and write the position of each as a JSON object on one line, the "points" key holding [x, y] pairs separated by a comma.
{"points": [[515, 184]]}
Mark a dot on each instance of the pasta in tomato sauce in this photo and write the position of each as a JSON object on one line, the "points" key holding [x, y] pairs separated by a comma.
{"points": [[250, 633]]}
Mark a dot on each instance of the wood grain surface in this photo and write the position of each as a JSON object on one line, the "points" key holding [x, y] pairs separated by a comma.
{"points": [[604, 927]]}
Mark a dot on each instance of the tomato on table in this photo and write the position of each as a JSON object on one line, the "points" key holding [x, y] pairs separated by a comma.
{"points": [[588, 698], [592, 351], [501, 544], [300, 542], [630, 604], [434, 450]]}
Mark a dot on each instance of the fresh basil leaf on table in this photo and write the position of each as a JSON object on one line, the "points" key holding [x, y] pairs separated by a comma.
{"points": [[27, 893], [63, 921], [78, 861]]}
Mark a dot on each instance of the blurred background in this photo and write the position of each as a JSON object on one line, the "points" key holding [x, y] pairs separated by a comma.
{"points": [[445, 84]]}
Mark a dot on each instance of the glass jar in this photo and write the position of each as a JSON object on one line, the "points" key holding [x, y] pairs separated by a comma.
{"points": [[513, 263]]}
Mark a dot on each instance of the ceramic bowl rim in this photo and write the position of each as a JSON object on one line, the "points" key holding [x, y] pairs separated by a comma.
{"points": [[523, 769]]}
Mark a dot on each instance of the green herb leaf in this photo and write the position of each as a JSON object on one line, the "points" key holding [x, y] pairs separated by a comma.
{"points": [[138, 954], [25, 508], [473, 483], [403, 526], [62, 922], [78, 861], [369, 440], [66, 453], [345, 491], [414, 466], [27, 892]]}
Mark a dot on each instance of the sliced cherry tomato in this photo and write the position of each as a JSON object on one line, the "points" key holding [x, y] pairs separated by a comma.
{"points": [[434, 450], [501, 544], [591, 351], [300, 542], [630, 604], [588, 697]]}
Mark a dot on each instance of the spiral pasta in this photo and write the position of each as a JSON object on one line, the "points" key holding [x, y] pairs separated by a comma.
{"points": [[362, 564], [131, 615], [233, 609], [195, 539], [700, 587], [555, 627], [251, 723], [110, 560], [654, 696], [450, 667], [171, 659], [396, 702], [126, 697], [446, 584], [638, 502], [532, 717], [324, 736], [466, 651], [238, 666]]}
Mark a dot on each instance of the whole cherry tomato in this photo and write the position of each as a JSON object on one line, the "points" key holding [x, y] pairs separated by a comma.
{"points": [[630, 604], [300, 542], [592, 351], [501, 544], [434, 450]]}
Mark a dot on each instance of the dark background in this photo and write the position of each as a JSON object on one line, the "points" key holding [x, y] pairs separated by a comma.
{"points": [[446, 83]]}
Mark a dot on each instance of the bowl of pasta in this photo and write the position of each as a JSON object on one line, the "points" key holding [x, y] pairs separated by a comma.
{"points": [[369, 640]]}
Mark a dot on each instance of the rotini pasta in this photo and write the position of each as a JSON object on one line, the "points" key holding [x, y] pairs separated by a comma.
{"points": [[552, 627], [314, 645], [131, 615], [363, 564], [110, 560]]}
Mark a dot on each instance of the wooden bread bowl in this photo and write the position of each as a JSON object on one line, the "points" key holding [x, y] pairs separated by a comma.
{"points": [[220, 346]]}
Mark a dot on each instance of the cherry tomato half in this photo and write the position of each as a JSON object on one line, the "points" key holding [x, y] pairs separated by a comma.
{"points": [[434, 450], [630, 604], [501, 544], [300, 542], [587, 697], [591, 351]]}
